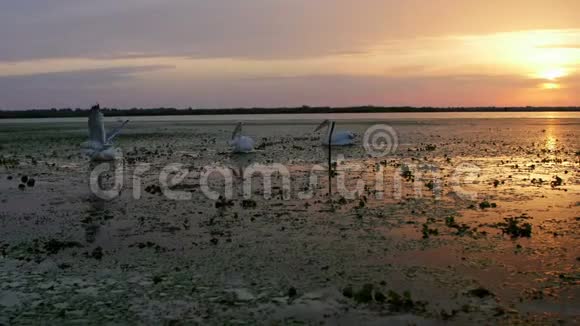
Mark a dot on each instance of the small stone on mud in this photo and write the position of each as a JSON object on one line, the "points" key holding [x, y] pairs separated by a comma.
{"points": [[214, 241], [21, 186], [31, 182], [24, 179]]}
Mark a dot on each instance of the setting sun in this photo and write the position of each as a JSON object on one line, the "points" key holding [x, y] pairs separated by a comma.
{"points": [[550, 86], [552, 74]]}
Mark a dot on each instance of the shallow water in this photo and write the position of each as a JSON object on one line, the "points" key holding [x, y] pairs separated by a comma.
{"points": [[165, 259]]}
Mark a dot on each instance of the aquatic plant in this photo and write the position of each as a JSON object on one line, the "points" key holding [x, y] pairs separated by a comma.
{"points": [[480, 292], [407, 173], [222, 202], [515, 228], [365, 294], [157, 279], [537, 181], [97, 253], [362, 203], [249, 203], [379, 296], [154, 190], [9, 162], [53, 246], [450, 221], [404, 303], [556, 182], [461, 229], [486, 204], [149, 244], [348, 292], [428, 232]]}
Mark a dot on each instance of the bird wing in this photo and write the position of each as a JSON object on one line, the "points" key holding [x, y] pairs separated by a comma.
{"points": [[343, 138], [115, 132], [242, 144], [96, 127]]}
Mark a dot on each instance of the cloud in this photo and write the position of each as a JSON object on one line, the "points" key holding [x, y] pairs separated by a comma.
{"points": [[90, 77], [66, 88], [256, 29], [236, 53], [560, 46], [71, 90]]}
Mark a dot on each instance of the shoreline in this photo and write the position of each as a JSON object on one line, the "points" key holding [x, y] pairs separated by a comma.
{"points": [[66, 113]]}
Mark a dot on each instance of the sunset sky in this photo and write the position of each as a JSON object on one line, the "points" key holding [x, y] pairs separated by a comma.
{"points": [[244, 53]]}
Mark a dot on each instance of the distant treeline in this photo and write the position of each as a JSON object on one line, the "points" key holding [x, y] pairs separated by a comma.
{"points": [[67, 112]]}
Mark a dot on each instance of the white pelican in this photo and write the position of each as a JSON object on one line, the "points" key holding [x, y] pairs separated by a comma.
{"points": [[339, 138], [239, 143], [100, 145]]}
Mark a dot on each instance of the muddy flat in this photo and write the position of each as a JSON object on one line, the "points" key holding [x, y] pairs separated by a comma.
{"points": [[463, 220]]}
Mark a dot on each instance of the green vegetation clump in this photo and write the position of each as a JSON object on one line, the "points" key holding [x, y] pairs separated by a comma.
{"points": [[222, 202], [486, 204], [9, 162], [397, 303], [365, 295], [480, 292], [52, 247], [348, 292], [428, 231], [249, 203], [404, 303], [461, 229], [556, 182], [514, 227], [407, 173]]}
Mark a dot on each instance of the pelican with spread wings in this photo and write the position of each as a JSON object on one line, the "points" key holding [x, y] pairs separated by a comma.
{"points": [[100, 144], [240, 143]]}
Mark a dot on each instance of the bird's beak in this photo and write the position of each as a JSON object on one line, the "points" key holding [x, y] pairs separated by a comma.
{"points": [[237, 131]]}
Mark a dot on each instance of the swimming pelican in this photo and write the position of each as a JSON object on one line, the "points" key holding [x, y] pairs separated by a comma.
{"points": [[100, 145], [340, 138], [239, 143]]}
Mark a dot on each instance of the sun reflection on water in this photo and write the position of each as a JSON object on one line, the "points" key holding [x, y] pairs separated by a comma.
{"points": [[551, 141]]}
